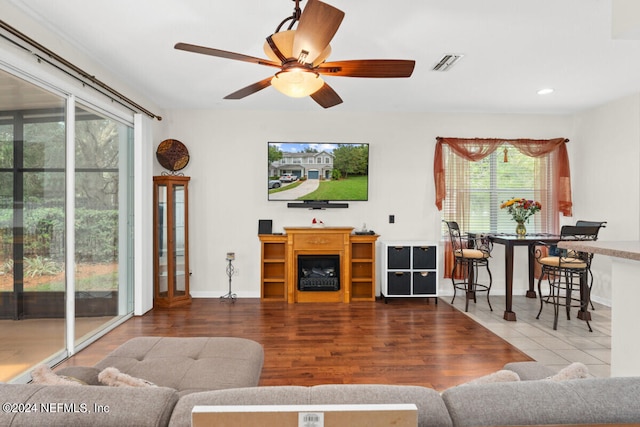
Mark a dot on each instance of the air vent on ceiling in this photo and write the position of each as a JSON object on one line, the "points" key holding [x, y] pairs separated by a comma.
{"points": [[447, 62]]}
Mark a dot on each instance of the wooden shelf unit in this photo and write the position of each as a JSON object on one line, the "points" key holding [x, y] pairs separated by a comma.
{"points": [[279, 264], [363, 267], [273, 271]]}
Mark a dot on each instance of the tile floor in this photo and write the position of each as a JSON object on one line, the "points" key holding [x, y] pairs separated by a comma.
{"points": [[571, 342]]}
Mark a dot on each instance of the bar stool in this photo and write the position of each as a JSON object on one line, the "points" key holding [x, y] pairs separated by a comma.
{"points": [[599, 224], [566, 271], [469, 255]]}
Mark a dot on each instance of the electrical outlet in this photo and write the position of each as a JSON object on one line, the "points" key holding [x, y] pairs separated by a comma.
{"points": [[392, 219]]}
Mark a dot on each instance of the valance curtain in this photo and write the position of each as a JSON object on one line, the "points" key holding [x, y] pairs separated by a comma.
{"points": [[476, 149]]}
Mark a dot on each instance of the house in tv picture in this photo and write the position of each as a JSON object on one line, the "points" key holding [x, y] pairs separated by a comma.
{"points": [[303, 165]]}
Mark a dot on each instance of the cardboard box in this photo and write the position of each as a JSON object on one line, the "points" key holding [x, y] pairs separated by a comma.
{"points": [[396, 415]]}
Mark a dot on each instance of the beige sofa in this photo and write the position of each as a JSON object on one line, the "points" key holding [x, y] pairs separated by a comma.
{"points": [[226, 371], [531, 401], [178, 366]]}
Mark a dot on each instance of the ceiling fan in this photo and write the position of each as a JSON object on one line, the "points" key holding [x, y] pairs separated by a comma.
{"points": [[300, 55]]}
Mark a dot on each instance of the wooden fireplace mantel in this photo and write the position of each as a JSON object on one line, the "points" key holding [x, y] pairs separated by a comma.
{"points": [[279, 263]]}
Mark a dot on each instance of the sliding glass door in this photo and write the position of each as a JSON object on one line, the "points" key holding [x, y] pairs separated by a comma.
{"points": [[103, 216], [65, 224]]}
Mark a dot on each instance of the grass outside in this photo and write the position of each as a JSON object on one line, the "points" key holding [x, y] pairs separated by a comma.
{"points": [[352, 188], [89, 277]]}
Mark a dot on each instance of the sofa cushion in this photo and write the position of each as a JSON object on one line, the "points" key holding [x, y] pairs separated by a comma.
{"points": [[86, 374], [189, 364], [279, 395], [530, 370], [93, 406], [502, 376], [431, 408], [584, 401]]}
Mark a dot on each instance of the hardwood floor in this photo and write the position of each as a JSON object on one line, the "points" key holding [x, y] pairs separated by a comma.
{"points": [[407, 341]]}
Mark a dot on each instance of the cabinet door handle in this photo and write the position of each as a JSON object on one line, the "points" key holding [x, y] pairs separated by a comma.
{"points": [[399, 273]]}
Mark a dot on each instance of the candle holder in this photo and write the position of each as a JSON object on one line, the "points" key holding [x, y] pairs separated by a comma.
{"points": [[229, 296]]}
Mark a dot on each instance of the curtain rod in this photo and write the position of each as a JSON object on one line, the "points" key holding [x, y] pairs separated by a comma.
{"points": [[438, 138], [82, 74]]}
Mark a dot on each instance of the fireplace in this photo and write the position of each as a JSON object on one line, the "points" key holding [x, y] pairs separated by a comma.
{"points": [[335, 265], [318, 272]]}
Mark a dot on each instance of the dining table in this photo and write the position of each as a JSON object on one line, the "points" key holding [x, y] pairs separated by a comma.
{"points": [[510, 241]]}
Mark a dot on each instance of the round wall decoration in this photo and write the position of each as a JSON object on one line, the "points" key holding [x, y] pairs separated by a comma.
{"points": [[172, 154]]}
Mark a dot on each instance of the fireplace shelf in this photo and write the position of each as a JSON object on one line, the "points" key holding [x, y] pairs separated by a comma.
{"points": [[279, 264], [273, 267]]}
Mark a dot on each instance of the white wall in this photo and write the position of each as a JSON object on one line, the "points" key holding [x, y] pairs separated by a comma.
{"points": [[605, 166], [228, 171]]}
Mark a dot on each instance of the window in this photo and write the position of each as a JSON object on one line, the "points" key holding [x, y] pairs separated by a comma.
{"points": [[474, 176], [492, 181]]}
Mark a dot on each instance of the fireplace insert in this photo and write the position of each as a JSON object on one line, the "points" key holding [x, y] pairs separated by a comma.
{"points": [[319, 272]]}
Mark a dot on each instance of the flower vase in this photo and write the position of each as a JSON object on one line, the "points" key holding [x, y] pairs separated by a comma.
{"points": [[521, 230]]}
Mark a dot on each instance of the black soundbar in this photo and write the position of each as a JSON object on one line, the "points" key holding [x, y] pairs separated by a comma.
{"points": [[317, 204]]}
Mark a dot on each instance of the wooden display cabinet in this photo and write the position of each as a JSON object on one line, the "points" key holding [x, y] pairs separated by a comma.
{"points": [[170, 241]]}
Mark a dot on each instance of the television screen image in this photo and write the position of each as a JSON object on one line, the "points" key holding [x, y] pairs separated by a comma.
{"points": [[307, 171]]}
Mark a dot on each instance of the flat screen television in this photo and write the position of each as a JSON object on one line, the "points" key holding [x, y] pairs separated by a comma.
{"points": [[314, 172]]}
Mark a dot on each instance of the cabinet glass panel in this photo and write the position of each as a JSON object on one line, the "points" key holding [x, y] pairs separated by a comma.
{"points": [[179, 236], [163, 278]]}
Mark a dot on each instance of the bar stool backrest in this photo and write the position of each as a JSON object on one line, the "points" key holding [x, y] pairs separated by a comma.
{"points": [[579, 232], [599, 224], [455, 236]]}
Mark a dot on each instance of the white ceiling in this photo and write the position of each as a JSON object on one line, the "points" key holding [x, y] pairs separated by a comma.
{"points": [[512, 49]]}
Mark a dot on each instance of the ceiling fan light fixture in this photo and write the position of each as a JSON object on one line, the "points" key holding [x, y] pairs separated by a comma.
{"points": [[297, 82], [284, 41]]}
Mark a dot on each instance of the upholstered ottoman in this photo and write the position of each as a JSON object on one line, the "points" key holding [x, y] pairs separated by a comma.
{"points": [[189, 365]]}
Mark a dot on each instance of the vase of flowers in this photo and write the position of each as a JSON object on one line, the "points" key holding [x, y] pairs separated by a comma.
{"points": [[521, 210]]}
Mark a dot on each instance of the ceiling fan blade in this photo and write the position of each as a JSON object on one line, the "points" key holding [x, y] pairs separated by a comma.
{"points": [[368, 68], [250, 90], [317, 26], [224, 54], [326, 96]]}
